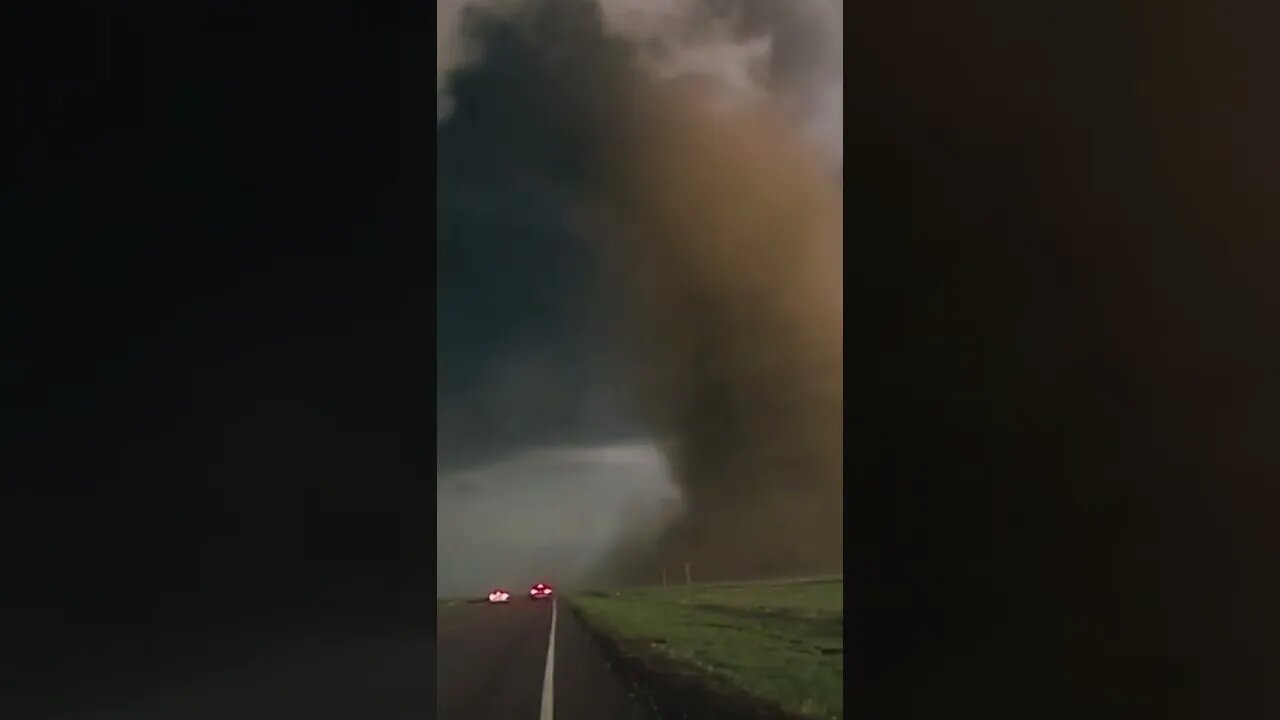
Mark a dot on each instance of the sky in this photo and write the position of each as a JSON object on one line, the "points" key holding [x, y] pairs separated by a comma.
{"points": [[536, 419]]}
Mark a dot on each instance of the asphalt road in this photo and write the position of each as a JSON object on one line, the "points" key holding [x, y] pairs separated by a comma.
{"points": [[491, 663]]}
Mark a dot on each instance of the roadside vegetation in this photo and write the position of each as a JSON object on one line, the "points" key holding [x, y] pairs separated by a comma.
{"points": [[778, 644]]}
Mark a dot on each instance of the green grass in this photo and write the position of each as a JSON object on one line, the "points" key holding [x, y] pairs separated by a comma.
{"points": [[777, 641]]}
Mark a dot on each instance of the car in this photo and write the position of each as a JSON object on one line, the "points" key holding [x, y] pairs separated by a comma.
{"points": [[499, 596], [541, 591]]}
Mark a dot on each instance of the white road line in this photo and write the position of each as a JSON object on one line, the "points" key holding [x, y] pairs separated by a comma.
{"points": [[548, 678]]}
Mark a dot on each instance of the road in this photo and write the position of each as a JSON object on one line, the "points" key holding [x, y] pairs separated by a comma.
{"points": [[491, 663]]}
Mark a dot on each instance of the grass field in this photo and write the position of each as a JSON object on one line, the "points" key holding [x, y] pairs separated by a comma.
{"points": [[782, 642]]}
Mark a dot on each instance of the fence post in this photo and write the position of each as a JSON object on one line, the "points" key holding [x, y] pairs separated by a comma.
{"points": [[664, 576], [688, 576]]}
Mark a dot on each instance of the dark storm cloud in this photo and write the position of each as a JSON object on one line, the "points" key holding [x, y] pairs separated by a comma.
{"points": [[515, 361], [660, 226], [519, 357]]}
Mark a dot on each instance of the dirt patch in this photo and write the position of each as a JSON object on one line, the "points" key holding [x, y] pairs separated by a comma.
{"points": [[672, 692]]}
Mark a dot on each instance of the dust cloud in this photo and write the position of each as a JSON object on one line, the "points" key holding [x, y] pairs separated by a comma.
{"points": [[728, 257]]}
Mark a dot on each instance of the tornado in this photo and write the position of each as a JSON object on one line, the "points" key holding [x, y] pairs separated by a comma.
{"points": [[728, 259], [712, 227]]}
